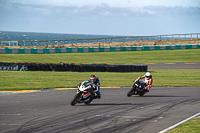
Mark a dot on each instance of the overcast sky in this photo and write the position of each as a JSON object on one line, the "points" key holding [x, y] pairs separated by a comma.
{"points": [[101, 17]]}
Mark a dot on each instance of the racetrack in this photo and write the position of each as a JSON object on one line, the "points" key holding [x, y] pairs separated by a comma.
{"points": [[173, 66], [50, 111]]}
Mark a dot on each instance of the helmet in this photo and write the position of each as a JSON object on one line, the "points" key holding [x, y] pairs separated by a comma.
{"points": [[92, 78], [148, 75]]}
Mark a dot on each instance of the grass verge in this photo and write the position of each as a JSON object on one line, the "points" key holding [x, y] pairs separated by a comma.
{"points": [[25, 80], [123, 57], [191, 126]]}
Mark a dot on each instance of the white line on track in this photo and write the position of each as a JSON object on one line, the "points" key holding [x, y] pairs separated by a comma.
{"points": [[10, 114], [169, 128]]}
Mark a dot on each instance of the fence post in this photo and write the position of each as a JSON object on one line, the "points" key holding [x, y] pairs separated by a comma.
{"points": [[63, 42], [57, 42], [37, 43]]}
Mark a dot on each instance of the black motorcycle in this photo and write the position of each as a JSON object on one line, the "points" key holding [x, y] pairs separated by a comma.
{"points": [[138, 88]]}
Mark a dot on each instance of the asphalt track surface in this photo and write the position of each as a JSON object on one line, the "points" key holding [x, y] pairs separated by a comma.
{"points": [[50, 111], [173, 66]]}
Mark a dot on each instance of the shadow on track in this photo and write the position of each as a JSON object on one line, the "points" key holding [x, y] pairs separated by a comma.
{"points": [[107, 104], [157, 96]]}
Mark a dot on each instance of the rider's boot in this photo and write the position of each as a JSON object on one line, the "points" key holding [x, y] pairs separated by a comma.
{"points": [[99, 95]]}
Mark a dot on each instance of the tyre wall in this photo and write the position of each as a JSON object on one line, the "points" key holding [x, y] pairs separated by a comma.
{"points": [[72, 67]]}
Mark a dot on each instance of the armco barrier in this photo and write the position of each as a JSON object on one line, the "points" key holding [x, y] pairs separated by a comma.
{"points": [[95, 49], [72, 67]]}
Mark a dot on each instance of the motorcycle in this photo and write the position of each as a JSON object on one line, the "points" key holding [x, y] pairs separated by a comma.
{"points": [[83, 94], [138, 88]]}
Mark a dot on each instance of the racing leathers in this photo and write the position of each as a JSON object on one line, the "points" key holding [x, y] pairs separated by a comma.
{"points": [[148, 81], [96, 86]]}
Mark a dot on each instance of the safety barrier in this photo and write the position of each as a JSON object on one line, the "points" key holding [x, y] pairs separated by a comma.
{"points": [[99, 41], [73, 67], [95, 49]]}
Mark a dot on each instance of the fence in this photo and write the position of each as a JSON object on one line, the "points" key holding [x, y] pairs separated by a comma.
{"points": [[192, 36], [95, 49]]}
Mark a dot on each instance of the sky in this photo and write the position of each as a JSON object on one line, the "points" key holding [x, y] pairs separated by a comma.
{"points": [[101, 17]]}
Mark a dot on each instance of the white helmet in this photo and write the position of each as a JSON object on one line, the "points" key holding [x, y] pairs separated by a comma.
{"points": [[148, 75]]}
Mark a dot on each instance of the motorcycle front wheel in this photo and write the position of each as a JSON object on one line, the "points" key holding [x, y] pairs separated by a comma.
{"points": [[75, 100], [130, 93]]}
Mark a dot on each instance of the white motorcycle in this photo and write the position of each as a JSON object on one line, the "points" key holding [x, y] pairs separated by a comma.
{"points": [[83, 94]]}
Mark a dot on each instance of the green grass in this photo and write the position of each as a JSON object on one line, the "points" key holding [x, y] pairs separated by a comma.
{"points": [[17, 80], [23, 80], [126, 57], [192, 126]]}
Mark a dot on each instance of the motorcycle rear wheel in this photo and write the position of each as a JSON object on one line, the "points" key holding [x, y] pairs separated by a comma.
{"points": [[89, 101], [141, 94]]}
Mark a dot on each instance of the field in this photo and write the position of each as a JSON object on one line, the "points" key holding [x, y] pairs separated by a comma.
{"points": [[127, 57], [17, 80]]}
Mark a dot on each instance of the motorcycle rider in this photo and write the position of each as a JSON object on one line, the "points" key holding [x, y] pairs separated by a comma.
{"points": [[148, 80], [96, 85]]}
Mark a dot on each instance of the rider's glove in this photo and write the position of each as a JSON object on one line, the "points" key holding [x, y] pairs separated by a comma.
{"points": [[93, 86], [137, 79]]}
